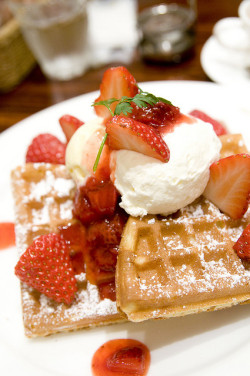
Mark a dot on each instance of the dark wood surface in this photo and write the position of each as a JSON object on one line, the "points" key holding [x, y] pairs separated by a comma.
{"points": [[36, 92]]}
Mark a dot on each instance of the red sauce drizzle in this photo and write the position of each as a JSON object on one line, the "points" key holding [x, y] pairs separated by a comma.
{"points": [[169, 128], [7, 235], [121, 357]]}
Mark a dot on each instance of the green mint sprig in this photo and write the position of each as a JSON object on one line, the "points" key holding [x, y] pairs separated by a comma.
{"points": [[142, 99]]}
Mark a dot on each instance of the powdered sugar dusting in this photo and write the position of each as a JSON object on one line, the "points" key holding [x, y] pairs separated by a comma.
{"points": [[49, 192], [190, 261]]}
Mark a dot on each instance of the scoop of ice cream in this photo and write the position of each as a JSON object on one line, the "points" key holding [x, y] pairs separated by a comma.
{"points": [[82, 149], [148, 186]]}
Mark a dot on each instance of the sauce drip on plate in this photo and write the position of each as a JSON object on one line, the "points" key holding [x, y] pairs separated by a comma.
{"points": [[121, 357], [7, 235]]}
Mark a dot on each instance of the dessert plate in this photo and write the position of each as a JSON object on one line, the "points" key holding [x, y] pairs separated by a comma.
{"points": [[208, 343], [218, 66]]}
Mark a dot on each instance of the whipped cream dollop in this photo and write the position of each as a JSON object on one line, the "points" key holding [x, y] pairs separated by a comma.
{"points": [[147, 185]]}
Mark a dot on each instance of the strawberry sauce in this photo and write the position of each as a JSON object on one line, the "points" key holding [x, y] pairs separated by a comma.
{"points": [[169, 128], [121, 357], [7, 235]]}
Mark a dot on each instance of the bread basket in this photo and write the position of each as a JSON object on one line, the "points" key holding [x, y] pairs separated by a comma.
{"points": [[16, 60]]}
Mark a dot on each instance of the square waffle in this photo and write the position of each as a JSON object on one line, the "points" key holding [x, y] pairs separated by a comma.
{"points": [[43, 195], [183, 263]]}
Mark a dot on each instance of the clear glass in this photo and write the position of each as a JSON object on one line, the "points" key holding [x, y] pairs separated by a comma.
{"points": [[57, 33], [168, 30], [112, 30]]}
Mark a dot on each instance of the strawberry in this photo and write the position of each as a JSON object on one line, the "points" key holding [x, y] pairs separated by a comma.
{"points": [[103, 239], [99, 267], [157, 115], [218, 127], [107, 232], [46, 267], [116, 83], [82, 208], [229, 184], [69, 125], [127, 133], [75, 236], [46, 148], [107, 290], [121, 357], [242, 246], [102, 196], [95, 200]]}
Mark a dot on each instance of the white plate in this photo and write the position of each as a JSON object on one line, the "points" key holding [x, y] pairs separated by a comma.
{"points": [[219, 67], [213, 343]]}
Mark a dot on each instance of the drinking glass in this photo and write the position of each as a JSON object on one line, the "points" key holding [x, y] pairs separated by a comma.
{"points": [[56, 33], [167, 30]]}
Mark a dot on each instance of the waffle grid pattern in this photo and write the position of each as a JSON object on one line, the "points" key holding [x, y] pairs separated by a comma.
{"points": [[43, 195], [181, 265]]}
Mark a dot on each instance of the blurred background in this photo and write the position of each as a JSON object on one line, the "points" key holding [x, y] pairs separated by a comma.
{"points": [[155, 40]]}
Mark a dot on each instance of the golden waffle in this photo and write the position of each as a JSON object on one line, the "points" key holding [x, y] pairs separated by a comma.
{"points": [[43, 195], [184, 263]]}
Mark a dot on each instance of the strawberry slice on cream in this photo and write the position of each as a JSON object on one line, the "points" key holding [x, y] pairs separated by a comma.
{"points": [[148, 185]]}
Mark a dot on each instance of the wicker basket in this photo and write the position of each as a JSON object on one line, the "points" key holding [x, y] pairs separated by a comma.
{"points": [[16, 60]]}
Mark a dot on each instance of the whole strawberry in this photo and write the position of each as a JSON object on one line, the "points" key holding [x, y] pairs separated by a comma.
{"points": [[46, 266], [242, 246], [46, 148]]}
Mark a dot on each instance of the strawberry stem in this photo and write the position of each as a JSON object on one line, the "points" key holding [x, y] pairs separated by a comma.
{"points": [[99, 152]]}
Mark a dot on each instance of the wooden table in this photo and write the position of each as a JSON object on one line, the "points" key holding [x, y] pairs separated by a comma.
{"points": [[37, 92]]}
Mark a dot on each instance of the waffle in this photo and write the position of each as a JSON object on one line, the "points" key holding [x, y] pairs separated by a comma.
{"points": [[183, 263], [43, 195]]}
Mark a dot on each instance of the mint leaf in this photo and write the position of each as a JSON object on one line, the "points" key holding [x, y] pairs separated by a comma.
{"points": [[142, 99], [106, 103]]}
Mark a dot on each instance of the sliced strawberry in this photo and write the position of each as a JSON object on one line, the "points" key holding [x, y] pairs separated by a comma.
{"points": [[76, 237], [159, 115], [102, 196], [95, 200], [46, 148], [104, 238], [107, 290], [107, 232], [127, 133], [121, 357], [219, 128], [46, 266], [82, 208], [69, 125], [242, 246], [116, 83], [101, 269], [229, 184]]}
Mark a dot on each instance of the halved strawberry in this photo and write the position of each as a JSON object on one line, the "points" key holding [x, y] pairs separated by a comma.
{"points": [[158, 115], [229, 184], [46, 148], [46, 266], [242, 246], [219, 128], [69, 125], [127, 133], [116, 83]]}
